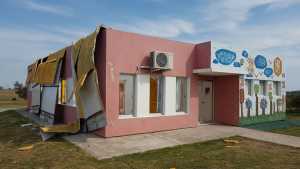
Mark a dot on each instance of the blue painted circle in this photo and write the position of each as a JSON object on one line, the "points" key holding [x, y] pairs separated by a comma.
{"points": [[245, 54], [236, 64], [260, 62], [268, 71], [225, 56]]}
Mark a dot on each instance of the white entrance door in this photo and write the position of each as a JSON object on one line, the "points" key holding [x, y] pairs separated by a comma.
{"points": [[206, 102]]}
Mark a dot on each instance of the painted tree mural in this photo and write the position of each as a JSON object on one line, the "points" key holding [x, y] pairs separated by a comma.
{"points": [[271, 102], [242, 98], [249, 106], [256, 91], [263, 105]]}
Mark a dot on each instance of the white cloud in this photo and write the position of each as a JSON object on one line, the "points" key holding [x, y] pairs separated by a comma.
{"points": [[227, 15], [42, 7], [168, 28], [19, 47]]}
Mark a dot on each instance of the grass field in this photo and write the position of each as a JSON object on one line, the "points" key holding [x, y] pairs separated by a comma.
{"points": [[60, 154], [293, 130], [9, 99], [290, 126]]}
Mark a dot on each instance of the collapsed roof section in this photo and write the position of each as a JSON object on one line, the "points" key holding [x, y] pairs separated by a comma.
{"points": [[48, 67], [46, 72]]}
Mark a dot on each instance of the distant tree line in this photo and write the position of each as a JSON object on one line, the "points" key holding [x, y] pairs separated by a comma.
{"points": [[20, 89], [293, 102]]}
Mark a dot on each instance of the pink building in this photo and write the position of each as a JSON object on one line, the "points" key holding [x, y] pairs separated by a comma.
{"points": [[117, 83]]}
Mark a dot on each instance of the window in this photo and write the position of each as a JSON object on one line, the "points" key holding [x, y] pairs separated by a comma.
{"points": [[249, 87], [156, 93], [277, 88], [181, 94], [126, 94], [263, 87]]}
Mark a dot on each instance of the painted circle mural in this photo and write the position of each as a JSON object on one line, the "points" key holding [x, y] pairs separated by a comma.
{"points": [[225, 56], [245, 54], [260, 62], [277, 66], [268, 71]]}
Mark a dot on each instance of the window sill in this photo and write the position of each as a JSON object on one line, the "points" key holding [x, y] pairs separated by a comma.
{"points": [[152, 115], [125, 116]]}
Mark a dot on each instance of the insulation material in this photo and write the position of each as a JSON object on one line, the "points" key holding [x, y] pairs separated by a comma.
{"points": [[86, 84], [83, 55], [31, 73], [89, 96], [49, 99], [62, 128], [47, 70]]}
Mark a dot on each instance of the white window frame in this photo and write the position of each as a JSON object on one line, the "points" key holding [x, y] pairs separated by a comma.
{"points": [[249, 91]]}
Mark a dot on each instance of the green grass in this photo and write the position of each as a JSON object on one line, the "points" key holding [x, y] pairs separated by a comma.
{"points": [[293, 116], [60, 154], [292, 130]]}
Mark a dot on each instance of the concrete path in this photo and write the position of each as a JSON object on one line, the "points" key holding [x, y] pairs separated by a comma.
{"points": [[103, 148]]}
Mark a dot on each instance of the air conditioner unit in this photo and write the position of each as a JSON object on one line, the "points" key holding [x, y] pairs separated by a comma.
{"points": [[161, 60]]}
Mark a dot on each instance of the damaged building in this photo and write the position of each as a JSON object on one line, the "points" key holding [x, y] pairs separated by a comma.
{"points": [[115, 83]]}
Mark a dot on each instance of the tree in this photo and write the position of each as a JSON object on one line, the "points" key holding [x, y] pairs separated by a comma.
{"points": [[1, 88], [20, 90]]}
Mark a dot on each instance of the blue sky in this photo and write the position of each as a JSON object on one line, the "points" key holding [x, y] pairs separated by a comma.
{"points": [[30, 29]]}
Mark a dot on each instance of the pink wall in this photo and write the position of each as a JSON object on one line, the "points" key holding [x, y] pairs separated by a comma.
{"points": [[226, 99], [124, 51], [203, 54], [101, 66]]}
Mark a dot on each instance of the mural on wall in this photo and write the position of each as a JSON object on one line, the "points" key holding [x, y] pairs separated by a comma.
{"points": [[250, 67], [268, 72], [245, 54], [263, 105], [270, 96], [242, 98], [260, 62], [279, 105], [256, 91], [248, 106], [257, 66], [277, 66], [224, 57]]}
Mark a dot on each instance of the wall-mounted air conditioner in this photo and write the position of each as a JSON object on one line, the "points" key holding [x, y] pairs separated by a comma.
{"points": [[161, 60]]}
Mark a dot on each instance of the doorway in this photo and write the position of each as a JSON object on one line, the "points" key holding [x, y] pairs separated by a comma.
{"points": [[206, 102]]}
